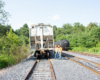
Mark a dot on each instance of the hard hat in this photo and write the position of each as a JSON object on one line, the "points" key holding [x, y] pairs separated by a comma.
{"points": [[59, 46], [55, 46]]}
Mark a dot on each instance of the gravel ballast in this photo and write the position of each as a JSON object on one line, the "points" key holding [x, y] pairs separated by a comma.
{"points": [[64, 69], [94, 59], [68, 70], [19, 71]]}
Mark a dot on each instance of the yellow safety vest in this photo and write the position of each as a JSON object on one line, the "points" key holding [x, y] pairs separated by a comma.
{"points": [[60, 49], [56, 49]]}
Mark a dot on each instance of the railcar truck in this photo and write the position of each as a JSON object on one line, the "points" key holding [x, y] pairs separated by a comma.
{"points": [[41, 39]]}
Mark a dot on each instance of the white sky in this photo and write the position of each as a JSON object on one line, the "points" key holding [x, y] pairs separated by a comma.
{"points": [[54, 12]]}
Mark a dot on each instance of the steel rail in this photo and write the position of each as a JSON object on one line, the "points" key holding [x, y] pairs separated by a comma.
{"points": [[88, 61], [85, 66], [35, 66], [72, 59], [27, 75], [52, 71], [83, 59]]}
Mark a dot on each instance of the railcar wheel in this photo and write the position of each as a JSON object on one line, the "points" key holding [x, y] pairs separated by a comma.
{"points": [[48, 54], [37, 55]]}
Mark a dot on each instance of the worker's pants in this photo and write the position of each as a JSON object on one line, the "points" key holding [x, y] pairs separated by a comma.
{"points": [[56, 55], [60, 57]]}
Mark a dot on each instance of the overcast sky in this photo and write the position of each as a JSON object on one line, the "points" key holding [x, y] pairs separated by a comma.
{"points": [[54, 12]]}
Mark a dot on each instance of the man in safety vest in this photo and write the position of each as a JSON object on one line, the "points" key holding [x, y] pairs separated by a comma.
{"points": [[59, 51], [56, 52]]}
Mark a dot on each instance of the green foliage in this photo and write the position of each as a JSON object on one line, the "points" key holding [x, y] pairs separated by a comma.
{"points": [[23, 31], [54, 31], [3, 14], [77, 28], [14, 45], [91, 25], [13, 48], [25, 25], [24, 39], [67, 28], [19, 53], [6, 61], [6, 42], [93, 50], [78, 35], [98, 44], [81, 38], [4, 29]]}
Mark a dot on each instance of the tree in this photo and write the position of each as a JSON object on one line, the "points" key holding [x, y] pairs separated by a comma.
{"points": [[91, 25], [54, 31], [78, 28], [82, 28], [98, 44], [75, 28], [24, 39], [67, 28], [4, 29], [25, 25], [77, 24], [3, 14], [8, 43], [23, 30]]}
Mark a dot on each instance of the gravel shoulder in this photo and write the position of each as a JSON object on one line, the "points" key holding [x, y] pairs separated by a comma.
{"points": [[6, 69], [94, 59], [68, 70], [18, 71]]}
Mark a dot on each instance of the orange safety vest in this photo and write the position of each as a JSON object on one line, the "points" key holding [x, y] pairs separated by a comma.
{"points": [[60, 49]]}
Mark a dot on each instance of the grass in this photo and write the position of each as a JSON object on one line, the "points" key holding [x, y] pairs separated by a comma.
{"points": [[7, 61], [17, 55], [94, 50]]}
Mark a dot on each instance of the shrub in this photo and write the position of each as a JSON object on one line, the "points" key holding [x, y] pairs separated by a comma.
{"points": [[98, 44], [94, 50], [13, 49]]}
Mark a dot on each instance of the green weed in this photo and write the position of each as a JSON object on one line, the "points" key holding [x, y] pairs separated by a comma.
{"points": [[94, 50]]}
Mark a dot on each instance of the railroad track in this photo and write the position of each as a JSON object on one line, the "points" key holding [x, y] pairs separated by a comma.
{"points": [[92, 66], [41, 70]]}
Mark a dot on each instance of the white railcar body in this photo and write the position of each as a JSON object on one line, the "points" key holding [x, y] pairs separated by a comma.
{"points": [[41, 38]]}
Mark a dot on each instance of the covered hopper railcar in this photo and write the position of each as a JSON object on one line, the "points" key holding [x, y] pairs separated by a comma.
{"points": [[63, 43], [41, 39]]}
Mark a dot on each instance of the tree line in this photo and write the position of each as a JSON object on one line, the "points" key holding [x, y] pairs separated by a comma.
{"points": [[78, 35], [81, 38], [14, 44]]}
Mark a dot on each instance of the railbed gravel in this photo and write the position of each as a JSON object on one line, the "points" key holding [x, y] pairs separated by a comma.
{"points": [[68, 70], [94, 59], [19, 71]]}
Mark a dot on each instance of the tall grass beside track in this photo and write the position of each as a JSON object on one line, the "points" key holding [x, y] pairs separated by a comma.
{"points": [[94, 50], [19, 54], [13, 49]]}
